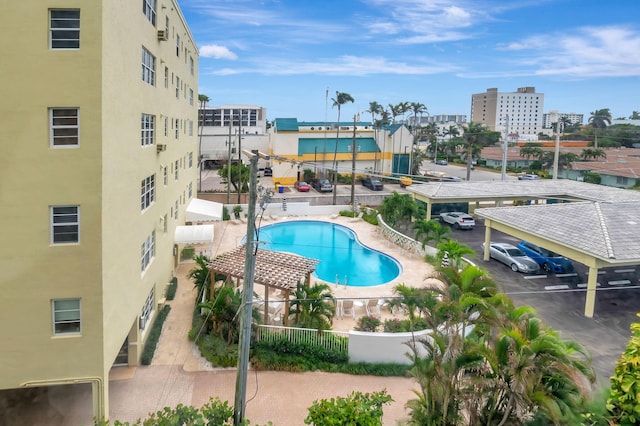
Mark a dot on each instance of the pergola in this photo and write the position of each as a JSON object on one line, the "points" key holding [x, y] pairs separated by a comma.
{"points": [[274, 270]]}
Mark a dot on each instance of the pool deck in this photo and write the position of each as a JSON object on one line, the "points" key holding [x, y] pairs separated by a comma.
{"points": [[414, 269]]}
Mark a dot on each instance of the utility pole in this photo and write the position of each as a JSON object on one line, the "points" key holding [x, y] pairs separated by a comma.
{"points": [[239, 153], [229, 167], [556, 156], [353, 167], [247, 297], [505, 148]]}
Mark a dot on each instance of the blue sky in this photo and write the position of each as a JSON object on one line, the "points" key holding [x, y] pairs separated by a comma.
{"points": [[285, 54]]}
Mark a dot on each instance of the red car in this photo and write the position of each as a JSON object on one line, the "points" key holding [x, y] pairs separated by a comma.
{"points": [[302, 186]]}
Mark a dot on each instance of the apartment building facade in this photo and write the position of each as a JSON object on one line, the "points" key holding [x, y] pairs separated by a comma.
{"points": [[554, 116], [100, 148], [518, 112]]}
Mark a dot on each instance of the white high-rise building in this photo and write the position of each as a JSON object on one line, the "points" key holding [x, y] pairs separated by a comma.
{"points": [[518, 112]]}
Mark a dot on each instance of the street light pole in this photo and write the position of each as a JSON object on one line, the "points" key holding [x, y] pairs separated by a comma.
{"points": [[556, 157], [229, 167], [505, 147]]}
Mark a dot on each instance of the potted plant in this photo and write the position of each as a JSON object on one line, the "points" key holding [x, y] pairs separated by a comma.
{"points": [[236, 211]]}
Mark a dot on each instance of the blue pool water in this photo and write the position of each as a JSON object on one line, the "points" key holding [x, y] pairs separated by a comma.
{"points": [[343, 259]]}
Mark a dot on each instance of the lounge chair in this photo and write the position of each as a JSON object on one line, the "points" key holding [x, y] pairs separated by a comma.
{"points": [[348, 309], [373, 308], [357, 218]]}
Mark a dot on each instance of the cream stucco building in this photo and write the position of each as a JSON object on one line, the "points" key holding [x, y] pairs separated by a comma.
{"points": [[99, 146]]}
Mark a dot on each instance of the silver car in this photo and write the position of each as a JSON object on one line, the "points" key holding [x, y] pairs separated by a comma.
{"points": [[513, 257]]}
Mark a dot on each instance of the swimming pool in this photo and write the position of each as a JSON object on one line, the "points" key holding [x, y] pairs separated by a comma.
{"points": [[343, 259]]}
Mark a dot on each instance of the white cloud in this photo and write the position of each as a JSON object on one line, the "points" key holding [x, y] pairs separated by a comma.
{"points": [[217, 52]]}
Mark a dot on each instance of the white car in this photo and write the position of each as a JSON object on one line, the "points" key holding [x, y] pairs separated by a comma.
{"points": [[529, 177], [513, 257], [458, 220]]}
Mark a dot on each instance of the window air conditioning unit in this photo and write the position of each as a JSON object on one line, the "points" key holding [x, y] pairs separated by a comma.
{"points": [[161, 147], [142, 323], [163, 35]]}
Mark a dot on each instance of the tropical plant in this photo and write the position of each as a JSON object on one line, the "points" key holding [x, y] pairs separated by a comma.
{"points": [[430, 230], [201, 275], [476, 137], [368, 323], [599, 120], [340, 99], [532, 150], [356, 409], [455, 251], [417, 108], [417, 158], [375, 109], [623, 402], [398, 208], [565, 160], [313, 306], [239, 174], [593, 154]]}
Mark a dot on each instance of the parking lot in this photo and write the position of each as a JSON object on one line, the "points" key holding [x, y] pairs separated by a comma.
{"points": [[559, 300]]}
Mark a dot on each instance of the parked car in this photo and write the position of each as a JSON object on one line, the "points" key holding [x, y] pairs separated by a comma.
{"points": [[322, 185], [451, 179], [459, 220], [302, 186], [513, 257], [548, 260], [267, 171], [442, 162], [405, 181], [372, 183], [529, 176]]}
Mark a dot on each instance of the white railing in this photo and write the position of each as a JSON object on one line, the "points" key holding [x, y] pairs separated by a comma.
{"points": [[403, 241], [328, 339]]}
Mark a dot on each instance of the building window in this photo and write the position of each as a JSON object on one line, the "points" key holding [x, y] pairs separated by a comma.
{"points": [[64, 28], [177, 128], [190, 128], [622, 180], [147, 309], [177, 45], [176, 171], [175, 212], [191, 65], [65, 224], [177, 87], [190, 159], [191, 97], [148, 129], [148, 67], [148, 250], [65, 126], [166, 77], [66, 316], [147, 192], [149, 10], [165, 175], [190, 189]]}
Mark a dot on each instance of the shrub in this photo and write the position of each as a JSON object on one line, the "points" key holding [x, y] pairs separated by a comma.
{"points": [[356, 409], [170, 293], [368, 323], [217, 352], [187, 253], [154, 335]]}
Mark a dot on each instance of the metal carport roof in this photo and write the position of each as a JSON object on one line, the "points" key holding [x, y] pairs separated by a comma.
{"points": [[600, 228]]}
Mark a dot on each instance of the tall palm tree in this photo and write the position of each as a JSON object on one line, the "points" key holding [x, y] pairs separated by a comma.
{"points": [[476, 136], [599, 120], [565, 160], [340, 99], [455, 251], [375, 109], [430, 230], [530, 151], [417, 108]]}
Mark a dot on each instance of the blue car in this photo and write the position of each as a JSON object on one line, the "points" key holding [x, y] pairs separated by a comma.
{"points": [[548, 260]]}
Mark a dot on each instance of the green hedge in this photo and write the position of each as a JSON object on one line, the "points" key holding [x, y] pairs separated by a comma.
{"points": [[154, 336], [170, 294]]}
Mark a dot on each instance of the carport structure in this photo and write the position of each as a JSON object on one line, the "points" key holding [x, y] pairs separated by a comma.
{"points": [[274, 270], [599, 228]]}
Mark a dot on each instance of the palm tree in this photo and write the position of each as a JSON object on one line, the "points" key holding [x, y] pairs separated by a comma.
{"points": [[530, 151], [565, 160], [375, 109], [475, 138], [398, 208], [417, 158], [417, 108], [313, 306], [340, 99], [455, 251], [430, 230], [599, 120], [201, 275]]}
